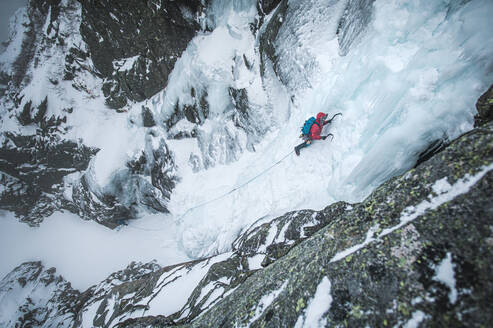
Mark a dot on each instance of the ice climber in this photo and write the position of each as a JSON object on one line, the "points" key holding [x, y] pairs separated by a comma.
{"points": [[312, 129]]}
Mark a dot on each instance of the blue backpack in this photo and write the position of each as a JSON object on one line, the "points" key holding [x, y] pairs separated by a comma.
{"points": [[305, 130]]}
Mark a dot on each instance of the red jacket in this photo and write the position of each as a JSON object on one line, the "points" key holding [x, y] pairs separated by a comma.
{"points": [[316, 129]]}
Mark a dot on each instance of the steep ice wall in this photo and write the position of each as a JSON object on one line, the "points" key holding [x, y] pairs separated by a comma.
{"points": [[412, 80], [408, 77]]}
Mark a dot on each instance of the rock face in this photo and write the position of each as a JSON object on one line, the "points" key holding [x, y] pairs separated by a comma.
{"points": [[144, 182], [124, 52], [418, 250], [42, 169], [32, 169], [266, 6], [357, 16], [485, 108], [135, 44]]}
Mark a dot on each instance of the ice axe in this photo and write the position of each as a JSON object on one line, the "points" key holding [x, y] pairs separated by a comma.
{"points": [[330, 134], [330, 121]]}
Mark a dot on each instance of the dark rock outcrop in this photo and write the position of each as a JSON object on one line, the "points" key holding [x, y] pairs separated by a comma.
{"points": [[147, 118], [266, 6], [484, 105], [433, 148], [104, 209], [129, 189], [39, 34], [32, 169], [135, 44], [197, 111], [37, 11], [269, 36]]}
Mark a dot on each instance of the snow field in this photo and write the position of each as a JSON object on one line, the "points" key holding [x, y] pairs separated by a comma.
{"points": [[84, 252]]}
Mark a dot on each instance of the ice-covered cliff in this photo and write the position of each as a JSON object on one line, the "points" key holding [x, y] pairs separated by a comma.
{"points": [[173, 123]]}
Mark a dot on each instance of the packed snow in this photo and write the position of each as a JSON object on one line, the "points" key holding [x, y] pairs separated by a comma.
{"points": [[412, 77], [317, 307], [415, 320], [445, 274]]}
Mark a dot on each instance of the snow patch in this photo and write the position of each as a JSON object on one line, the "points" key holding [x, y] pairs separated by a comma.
{"points": [[441, 186], [369, 238], [177, 288], [255, 262], [125, 64], [445, 274], [318, 305], [415, 320], [265, 301]]}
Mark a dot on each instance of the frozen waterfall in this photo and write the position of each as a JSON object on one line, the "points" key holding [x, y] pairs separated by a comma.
{"points": [[410, 78]]}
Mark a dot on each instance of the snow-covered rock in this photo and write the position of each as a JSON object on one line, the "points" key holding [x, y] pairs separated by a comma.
{"points": [[33, 169], [33, 296]]}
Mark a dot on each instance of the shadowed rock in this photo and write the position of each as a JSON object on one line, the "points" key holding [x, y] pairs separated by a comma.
{"points": [[484, 105], [135, 44]]}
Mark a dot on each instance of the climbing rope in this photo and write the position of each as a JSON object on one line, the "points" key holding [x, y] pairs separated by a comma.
{"points": [[232, 190], [236, 188], [218, 197]]}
